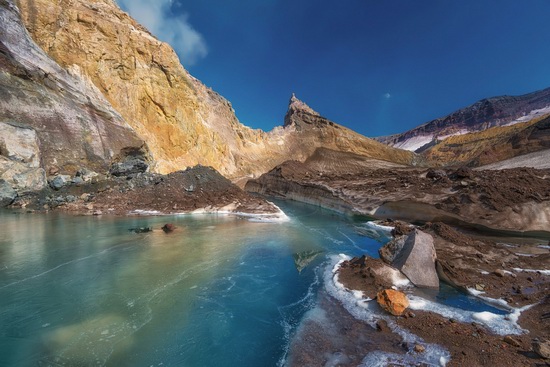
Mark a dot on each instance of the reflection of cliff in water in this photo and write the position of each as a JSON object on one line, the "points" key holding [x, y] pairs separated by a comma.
{"points": [[304, 258]]}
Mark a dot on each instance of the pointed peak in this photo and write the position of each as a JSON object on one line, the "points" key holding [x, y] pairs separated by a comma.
{"points": [[297, 105]]}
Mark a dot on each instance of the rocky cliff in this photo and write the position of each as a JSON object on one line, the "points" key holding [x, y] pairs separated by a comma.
{"points": [[496, 144], [482, 115], [183, 121], [50, 118]]}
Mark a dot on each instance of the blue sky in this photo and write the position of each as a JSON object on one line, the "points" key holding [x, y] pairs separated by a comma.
{"points": [[378, 67]]}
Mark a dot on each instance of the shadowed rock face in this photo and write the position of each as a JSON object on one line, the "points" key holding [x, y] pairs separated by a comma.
{"points": [[184, 122], [49, 117], [415, 258]]}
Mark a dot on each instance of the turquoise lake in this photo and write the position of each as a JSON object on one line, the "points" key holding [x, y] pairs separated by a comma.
{"points": [[219, 291]]}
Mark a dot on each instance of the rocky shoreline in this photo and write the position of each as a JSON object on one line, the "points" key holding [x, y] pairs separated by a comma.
{"points": [[515, 201], [495, 273], [196, 190], [487, 234]]}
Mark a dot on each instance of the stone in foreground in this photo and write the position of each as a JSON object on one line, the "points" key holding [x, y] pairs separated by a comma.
{"points": [[415, 257], [542, 348], [392, 301]]}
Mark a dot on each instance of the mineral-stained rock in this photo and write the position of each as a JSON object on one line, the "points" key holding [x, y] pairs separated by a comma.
{"points": [[415, 258], [184, 122], [50, 117], [370, 275], [7, 193], [392, 301]]}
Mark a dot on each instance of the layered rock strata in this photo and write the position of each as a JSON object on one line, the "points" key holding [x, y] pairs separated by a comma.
{"points": [[50, 118], [513, 200]]}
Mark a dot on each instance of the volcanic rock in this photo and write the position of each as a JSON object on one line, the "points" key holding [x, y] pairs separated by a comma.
{"points": [[415, 257], [7, 193], [49, 117], [484, 114], [392, 301], [128, 167], [58, 182], [370, 275]]}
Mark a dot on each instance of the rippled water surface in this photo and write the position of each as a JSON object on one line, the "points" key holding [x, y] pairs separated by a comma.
{"points": [[220, 291]]}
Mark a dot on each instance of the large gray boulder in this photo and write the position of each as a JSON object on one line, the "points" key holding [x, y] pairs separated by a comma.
{"points": [[414, 255], [128, 167], [7, 193]]}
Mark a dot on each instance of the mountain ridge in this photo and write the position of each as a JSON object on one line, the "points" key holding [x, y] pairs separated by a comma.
{"points": [[183, 121], [479, 116]]}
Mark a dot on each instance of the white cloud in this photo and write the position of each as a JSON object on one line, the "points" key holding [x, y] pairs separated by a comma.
{"points": [[387, 95], [168, 27]]}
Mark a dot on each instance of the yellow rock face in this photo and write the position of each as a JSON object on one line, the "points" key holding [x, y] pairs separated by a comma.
{"points": [[183, 122]]}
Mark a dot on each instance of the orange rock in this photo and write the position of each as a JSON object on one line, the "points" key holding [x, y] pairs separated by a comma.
{"points": [[392, 301]]}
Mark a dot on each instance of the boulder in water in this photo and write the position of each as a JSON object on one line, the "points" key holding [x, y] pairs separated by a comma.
{"points": [[168, 227]]}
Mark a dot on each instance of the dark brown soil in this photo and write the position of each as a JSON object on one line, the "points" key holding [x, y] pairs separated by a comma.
{"points": [[459, 196], [184, 191], [491, 267], [488, 266], [472, 344], [337, 333]]}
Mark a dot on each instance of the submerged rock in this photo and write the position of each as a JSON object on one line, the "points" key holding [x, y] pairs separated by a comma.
{"points": [[304, 258], [168, 227], [393, 301], [415, 256], [141, 229]]}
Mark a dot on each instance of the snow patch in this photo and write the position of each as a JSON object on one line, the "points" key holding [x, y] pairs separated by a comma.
{"points": [[414, 143], [498, 324], [531, 115], [544, 272]]}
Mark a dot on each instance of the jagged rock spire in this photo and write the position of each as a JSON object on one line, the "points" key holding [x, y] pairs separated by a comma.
{"points": [[296, 106]]}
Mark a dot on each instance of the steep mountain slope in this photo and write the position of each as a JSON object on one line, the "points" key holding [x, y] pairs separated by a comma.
{"points": [[484, 114], [493, 145], [183, 121], [50, 119]]}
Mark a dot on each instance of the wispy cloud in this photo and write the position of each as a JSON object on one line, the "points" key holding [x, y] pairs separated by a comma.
{"points": [[174, 29]]}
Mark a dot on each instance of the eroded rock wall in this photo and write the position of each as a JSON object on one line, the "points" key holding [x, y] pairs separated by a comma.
{"points": [[184, 122], [50, 118]]}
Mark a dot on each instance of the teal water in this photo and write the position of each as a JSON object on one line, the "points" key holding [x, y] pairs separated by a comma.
{"points": [[219, 291]]}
